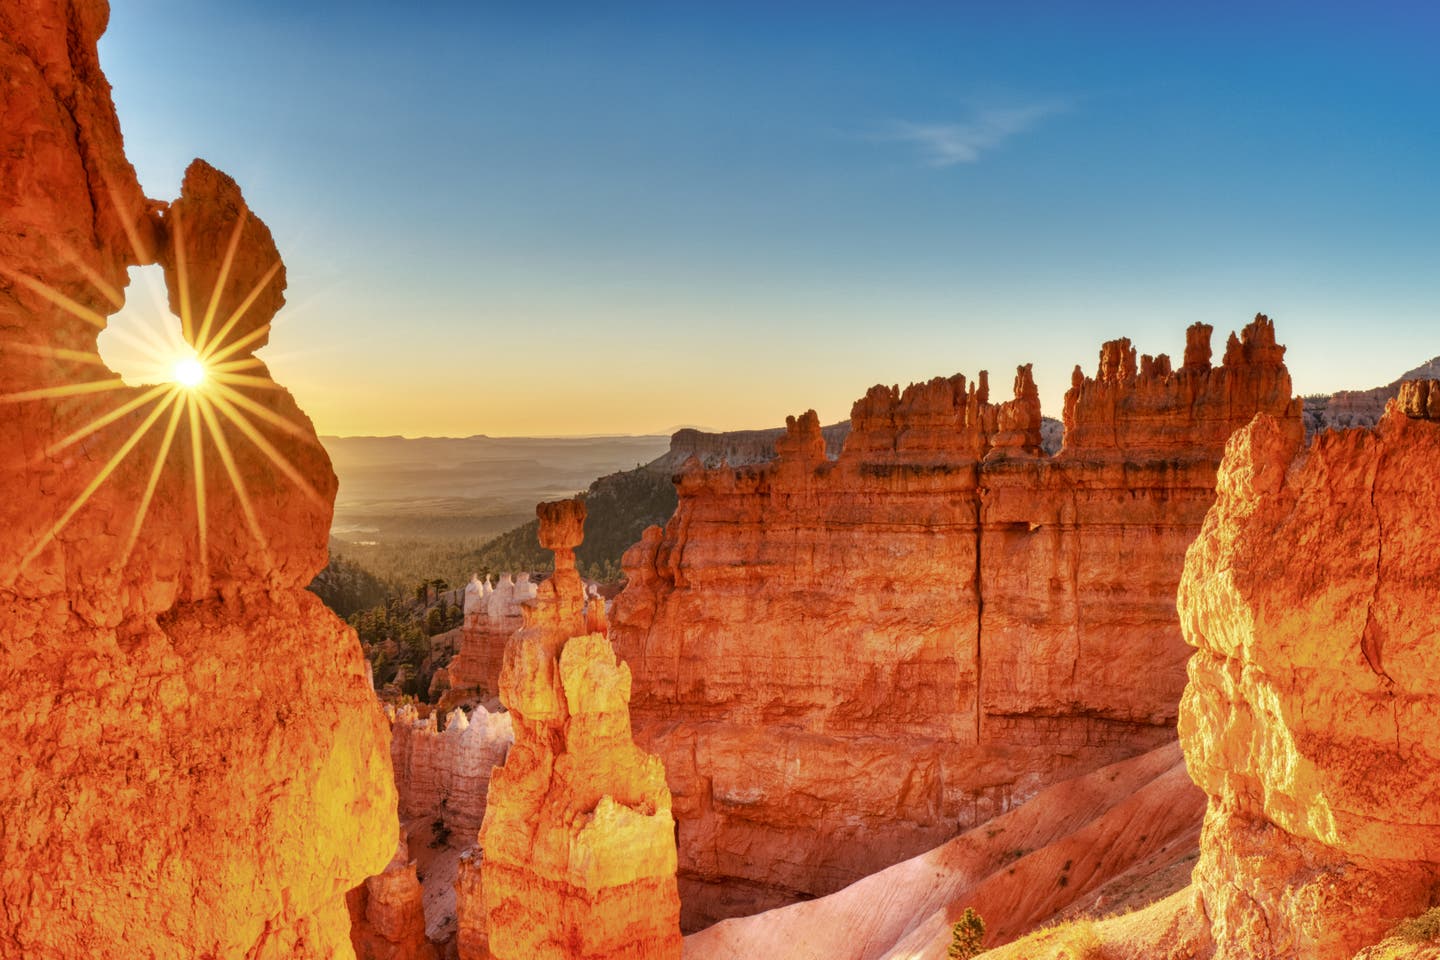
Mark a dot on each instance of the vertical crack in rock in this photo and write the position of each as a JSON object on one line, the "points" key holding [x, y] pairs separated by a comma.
{"points": [[1370, 640], [1313, 807], [979, 618]]}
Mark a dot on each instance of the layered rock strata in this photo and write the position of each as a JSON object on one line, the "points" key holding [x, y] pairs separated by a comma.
{"points": [[577, 851], [174, 788], [446, 774], [1311, 714], [843, 663]]}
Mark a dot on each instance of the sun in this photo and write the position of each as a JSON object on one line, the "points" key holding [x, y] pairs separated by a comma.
{"points": [[189, 372], [207, 357]]}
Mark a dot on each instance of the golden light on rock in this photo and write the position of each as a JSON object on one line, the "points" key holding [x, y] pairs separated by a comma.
{"points": [[156, 536]]}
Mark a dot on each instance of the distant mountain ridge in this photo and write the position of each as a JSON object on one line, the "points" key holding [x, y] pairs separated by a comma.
{"points": [[1360, 408]]}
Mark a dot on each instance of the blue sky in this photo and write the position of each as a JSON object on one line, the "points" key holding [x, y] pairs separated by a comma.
{"points": [[560, 219]]}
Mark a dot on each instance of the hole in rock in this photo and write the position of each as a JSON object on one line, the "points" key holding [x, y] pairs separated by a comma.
{"points": [[144, 342]]}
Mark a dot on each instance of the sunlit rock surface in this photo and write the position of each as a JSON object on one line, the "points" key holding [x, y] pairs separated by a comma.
{"points": [[1312, 718], [577, 855], [198, 766], [844, 663]]}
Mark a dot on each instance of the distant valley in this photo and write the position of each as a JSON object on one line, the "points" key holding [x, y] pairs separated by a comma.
{"points": [[428, 488]]}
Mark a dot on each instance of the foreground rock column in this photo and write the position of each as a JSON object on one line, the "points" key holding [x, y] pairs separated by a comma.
{"points": [[1312, 717], [578, 840], [195, 764]]}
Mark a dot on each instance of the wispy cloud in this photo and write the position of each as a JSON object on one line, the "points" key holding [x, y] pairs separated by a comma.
{"points": [[946, 144]]}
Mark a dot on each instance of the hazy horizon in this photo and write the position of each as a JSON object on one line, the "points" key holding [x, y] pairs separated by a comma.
{"points": [[597, 223]]}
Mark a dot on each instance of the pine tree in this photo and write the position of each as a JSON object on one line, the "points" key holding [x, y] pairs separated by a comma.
{"points": [[967, 936]]}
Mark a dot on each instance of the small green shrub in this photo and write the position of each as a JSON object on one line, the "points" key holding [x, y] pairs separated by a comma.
{"points": [[1421, 929], [967, 936]]}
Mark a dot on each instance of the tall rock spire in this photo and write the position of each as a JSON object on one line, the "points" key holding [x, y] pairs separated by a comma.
{"points": [[578, 841]]}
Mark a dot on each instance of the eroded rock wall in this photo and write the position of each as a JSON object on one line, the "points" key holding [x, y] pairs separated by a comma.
{"points": [[844, 663], [578, 845], [492, 615], [198, 766], [445, 773], [1311, 714]]}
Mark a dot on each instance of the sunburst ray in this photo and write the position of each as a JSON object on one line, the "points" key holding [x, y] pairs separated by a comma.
{"points": [[137, 246], [56, 298], [104, 420], [216, 349], [235, 366], [229, 350], [106, 289], [265, 413], [282, 463], [66, 390], [178, 229], [197, 464], [245, 380], [176, 410], [242, 493], [54, 353], [144, 341], [220, 281], [94, 484], [138, 249]]}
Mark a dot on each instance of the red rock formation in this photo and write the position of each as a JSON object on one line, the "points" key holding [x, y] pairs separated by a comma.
{"points": [[843, 663], [578, 840], [387, 914], [446, 774], [492, 615], [737, 448], [1310, 718], [175, 788]]}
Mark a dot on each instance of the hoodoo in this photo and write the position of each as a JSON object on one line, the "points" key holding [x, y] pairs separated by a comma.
{"points": [[577, 852], [844, 663]]}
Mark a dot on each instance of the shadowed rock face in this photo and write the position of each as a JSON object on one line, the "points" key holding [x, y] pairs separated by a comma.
{"points": [[1311, 714], [200, 767], [843, 663]]}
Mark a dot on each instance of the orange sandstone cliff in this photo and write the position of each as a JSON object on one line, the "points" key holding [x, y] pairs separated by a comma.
{"points": [[576, 859], [1311, 716], [844, 663], [197, 766]]}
